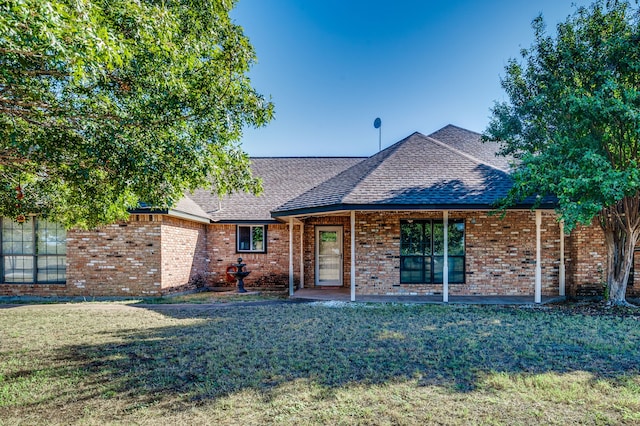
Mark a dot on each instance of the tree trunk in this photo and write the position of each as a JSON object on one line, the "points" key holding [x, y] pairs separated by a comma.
{"points": [[619, 262], [621, 226]]}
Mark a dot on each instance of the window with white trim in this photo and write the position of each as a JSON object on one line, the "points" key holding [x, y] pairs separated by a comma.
{"points": [[33, 252], [251, 238]]}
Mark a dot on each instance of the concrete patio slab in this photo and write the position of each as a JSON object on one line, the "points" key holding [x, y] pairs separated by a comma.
{"points": [[343, 294]]}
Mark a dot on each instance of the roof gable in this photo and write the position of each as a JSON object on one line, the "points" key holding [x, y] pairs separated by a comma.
{"points": [[424, 171], [419, 171]]}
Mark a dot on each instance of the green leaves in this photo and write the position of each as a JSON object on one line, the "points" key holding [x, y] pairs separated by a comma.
{"points": [[104, 104], [573, 116], [573, 121]]}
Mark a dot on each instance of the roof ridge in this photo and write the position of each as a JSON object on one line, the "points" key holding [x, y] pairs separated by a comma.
{"points": [[389, 152], [459, 128], [380, 156], [466, 155]]}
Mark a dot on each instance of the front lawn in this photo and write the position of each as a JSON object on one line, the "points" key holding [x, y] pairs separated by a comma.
{"points": [[209, 297], [319, 363]]}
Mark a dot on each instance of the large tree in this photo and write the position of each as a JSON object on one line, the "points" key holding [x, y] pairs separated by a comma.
{"points": [[573, 122], [108, 103]]}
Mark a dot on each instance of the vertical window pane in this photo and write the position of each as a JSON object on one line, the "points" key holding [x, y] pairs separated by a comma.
{"points": [[428, 238], [257, 238], [52, 269], [17, 238], [438, 238], [329, 244], [251, 238], [427, 270], [411, 238], [456, 269], [18, 269], [412, 269], [329, 268], [244, 238], [52, 238], [456, 237], [438, 268]]}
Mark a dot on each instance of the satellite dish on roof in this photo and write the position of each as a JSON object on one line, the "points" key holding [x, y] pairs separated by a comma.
{"points": [[377, 123]]}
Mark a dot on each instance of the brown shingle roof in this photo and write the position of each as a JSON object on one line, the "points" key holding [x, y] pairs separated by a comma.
{"points": [[471, 143], [450, 168], [190, 207], [417, 172], [283, 178]]}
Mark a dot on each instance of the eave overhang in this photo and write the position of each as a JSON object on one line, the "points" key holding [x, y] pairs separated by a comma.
{"points": [[335, 208], [172, 213]]}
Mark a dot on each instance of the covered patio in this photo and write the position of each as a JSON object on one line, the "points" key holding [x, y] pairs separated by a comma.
{"points": [[527, 266], [371, 233], [343, 295]]}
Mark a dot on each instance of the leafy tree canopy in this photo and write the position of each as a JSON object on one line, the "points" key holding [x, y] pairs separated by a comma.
{"points": [[108, 103], [573, 116], [573, 122]]}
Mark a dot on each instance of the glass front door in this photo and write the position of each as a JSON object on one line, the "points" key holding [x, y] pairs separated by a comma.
{"points": [[329, 256]]}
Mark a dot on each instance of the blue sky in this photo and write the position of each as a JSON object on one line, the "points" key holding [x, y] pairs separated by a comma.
{"points": [[332, 66]]}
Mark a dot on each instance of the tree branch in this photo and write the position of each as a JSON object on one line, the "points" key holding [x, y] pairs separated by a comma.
{"points": [[29, 53]]}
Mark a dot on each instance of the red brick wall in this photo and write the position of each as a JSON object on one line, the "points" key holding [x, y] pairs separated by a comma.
{"points": [[586, 263], [378, 254], [185, 257], [153, 255], [116, 260], [148, 256], [500, 254], [269, 271], [633, 288]]}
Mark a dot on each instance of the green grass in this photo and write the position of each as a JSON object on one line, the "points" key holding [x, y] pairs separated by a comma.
{"points": [[107, 363], [207, 297], [203, 297]]}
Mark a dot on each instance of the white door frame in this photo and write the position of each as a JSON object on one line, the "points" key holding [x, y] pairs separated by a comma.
{"points": [[340, 235]]}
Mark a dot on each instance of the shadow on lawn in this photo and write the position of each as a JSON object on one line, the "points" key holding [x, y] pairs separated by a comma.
{"points": [[260, 347]]}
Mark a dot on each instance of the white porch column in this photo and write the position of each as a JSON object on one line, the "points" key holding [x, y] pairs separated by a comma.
{"points": [[353, 256], [301, 254], [445, 262], [561, 271], [290, 256], [538, 285]]}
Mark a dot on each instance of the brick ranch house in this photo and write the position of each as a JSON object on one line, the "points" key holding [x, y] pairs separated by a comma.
{"points": [[413, 219]]}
